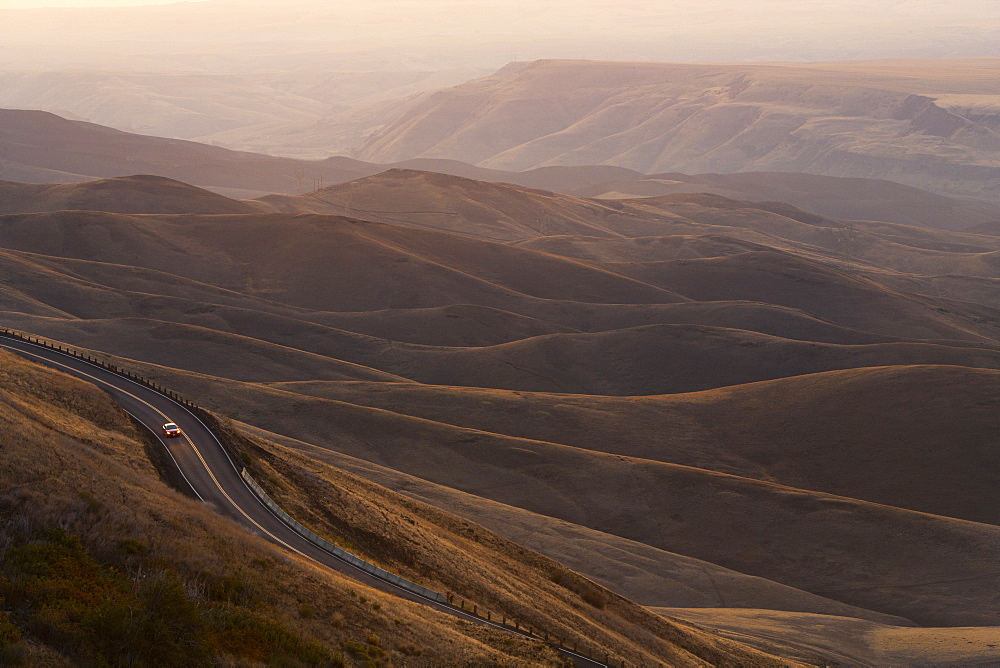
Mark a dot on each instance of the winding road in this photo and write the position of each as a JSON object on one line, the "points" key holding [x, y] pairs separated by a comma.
{"points": [[214, 478]]}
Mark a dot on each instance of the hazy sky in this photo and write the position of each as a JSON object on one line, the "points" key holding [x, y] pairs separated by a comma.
{"points": [[32, 4], [254, 35]]}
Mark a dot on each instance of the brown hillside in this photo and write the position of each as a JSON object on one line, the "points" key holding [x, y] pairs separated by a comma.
{"points": [[295, 259], [65, 415], [842, 450], [128, 194], [650, 229], [33, 158], [74, 462], [655, 359], [896, 424], [849, 641], [822, 291], [40, 147], [642, 573], [927, 568], [838, 197], [500, 212]]}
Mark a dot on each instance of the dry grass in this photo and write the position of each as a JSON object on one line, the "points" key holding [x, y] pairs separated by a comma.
{"points": [[482, 569], [849, 641], [632, 444], [193, 299], [73, 461]]}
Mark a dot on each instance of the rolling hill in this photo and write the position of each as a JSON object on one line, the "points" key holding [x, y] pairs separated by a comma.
{"points": [[107, 534], [837, 197], [693, 400], [34, 150], [676, 227], [126, 194]]}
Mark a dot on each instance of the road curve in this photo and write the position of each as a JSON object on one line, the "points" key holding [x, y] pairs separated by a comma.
{"points": [[213, 476]]}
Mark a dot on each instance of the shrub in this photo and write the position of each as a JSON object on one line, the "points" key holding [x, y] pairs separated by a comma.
{"points": [[410, 650], [232, 589], [253, 637], [93, 505], [580, 587], [594, 598], [171, 628], [8, 632], [96, 613], [101, 617], [14, 655], [132, 546]]}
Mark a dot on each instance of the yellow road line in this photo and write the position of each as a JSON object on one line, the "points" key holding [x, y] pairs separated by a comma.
{"points": [[212, 475], [184, 434]]}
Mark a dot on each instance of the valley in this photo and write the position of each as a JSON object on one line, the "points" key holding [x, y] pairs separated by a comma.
{"points": [[614, 383]]}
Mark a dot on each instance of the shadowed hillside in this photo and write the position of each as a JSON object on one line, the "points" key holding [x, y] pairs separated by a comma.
{"points": [[655, 229], [35, 150], [692, 400], [107, 493], [40, 147], [131, 194], [840, 197], [848, 641], [89, 530]]}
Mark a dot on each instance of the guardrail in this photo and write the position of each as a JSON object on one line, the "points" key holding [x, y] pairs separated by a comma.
{"points": [[500, 621], [73, 352], [339, 552]]}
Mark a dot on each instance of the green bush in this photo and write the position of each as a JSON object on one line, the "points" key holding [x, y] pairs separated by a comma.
{"points": [[93, 505]]}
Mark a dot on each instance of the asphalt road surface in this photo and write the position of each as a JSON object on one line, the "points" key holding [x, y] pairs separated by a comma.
{"points": [[213, 476]]}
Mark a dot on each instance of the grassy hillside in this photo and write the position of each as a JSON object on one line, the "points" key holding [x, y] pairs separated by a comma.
{"points": [[849, 641], [691, 400], [91, 532], [933, 565]]}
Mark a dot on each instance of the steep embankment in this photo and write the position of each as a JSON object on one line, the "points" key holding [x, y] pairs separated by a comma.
{"points": [[102, 561]]}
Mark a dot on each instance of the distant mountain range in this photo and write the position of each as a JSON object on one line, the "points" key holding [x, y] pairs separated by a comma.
{"points": [[39, 147], [838, 120]]}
